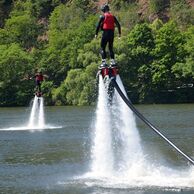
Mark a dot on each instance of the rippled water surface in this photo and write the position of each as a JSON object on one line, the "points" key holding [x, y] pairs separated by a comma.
{"points": [[57, 158]]}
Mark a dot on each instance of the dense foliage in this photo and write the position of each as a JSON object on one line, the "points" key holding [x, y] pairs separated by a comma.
{"points": [[156, 60]]}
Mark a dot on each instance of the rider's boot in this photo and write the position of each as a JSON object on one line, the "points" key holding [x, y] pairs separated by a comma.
{"points": [[113, 63], [103, 64], [113, 70], [103, 69]]}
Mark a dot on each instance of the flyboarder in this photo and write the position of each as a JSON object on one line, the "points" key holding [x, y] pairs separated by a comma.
{"points": [[38, 79], [107, 24]]}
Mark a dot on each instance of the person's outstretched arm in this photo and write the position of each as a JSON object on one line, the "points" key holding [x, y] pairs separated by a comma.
{"points": [[99, 24], [118, 25]]}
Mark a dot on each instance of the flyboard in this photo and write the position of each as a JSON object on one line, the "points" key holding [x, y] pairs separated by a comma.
{"points": [[109, 74]]}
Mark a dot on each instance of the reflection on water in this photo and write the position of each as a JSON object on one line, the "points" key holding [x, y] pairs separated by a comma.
{"points": [[57, 160]]}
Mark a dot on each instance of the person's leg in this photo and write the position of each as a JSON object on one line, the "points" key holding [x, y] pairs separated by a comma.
{"points": [[110, 44], [104, 41], [103, 48], [38, 86]]}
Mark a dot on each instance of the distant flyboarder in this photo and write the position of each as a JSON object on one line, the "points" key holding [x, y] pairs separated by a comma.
{"points": [[38, 79]]}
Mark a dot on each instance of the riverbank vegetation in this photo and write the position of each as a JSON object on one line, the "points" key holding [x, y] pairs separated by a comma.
{"points": [[155, 54]]}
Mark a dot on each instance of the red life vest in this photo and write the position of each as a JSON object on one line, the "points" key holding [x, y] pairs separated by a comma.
{"points": [[39, 77], [109, 22]]}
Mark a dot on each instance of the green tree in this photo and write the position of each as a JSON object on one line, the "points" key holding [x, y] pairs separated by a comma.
{"points": [[79, 86], [14, 64], [65, 39], [22, 29], [184, 70], [55, 58], [169, 50], [141, 44]]}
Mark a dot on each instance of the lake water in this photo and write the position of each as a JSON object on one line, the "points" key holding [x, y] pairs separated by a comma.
{"points": [[58, 157]]}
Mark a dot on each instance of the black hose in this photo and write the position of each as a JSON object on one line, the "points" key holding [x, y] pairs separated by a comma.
{"points": [[130, 105]]}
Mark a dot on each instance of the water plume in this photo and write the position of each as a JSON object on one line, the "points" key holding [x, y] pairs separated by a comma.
{"points": [[37, 114], [102, 153]]}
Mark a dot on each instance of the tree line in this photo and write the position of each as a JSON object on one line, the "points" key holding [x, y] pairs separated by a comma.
{"points": [[57, 37]]}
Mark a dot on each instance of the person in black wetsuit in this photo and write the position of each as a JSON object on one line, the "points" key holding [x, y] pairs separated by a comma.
{"points": [[107, 24], [39, 77]]}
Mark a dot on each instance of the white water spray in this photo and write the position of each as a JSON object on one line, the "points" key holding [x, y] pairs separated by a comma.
{"points": [[102, 153], [126, 132], [36, 120], [115, 134], [124, 165], [41, 122], [37, 114], [33, 112]]}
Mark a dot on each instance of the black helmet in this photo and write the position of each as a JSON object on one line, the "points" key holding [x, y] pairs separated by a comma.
{"points": [[105, 8]]}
